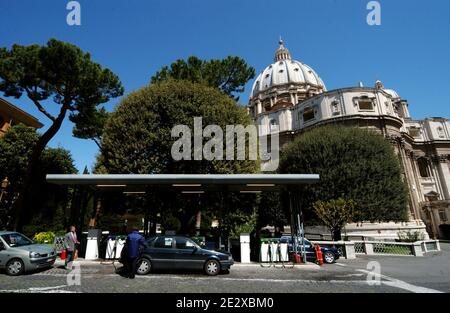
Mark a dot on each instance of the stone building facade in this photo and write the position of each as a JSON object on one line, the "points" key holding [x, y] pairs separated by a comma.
{"points": [[289, 97]]}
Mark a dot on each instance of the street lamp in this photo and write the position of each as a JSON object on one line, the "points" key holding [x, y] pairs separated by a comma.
{"points": [[4, 185]]}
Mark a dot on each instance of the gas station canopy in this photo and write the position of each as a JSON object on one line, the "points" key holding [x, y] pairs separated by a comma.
{"points": [[187, 183]]}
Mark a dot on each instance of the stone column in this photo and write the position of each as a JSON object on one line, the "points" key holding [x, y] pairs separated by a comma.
{"points": [[436, 220], [434, 165], [411, 181], [444, 174]]}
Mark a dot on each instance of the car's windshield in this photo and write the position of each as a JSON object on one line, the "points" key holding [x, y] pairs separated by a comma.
{"points": [[150, 240], [16, 240]]}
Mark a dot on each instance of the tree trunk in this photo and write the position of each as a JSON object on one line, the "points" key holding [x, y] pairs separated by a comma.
{"points": [[20, 204], [95, 216], [198, 222], [336, 233]]}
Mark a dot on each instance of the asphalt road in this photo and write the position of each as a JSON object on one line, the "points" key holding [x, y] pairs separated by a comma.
{"points": [[365, 274]]}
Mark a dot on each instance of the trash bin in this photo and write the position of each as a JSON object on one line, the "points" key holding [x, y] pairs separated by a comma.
{"points": [[110, 248], [120, 243], [283, 252], [265, 255], [114, 246], [93, 242], [273, 251]]}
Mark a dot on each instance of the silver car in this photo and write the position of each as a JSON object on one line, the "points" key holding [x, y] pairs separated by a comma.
{"points": [[19, 254]]}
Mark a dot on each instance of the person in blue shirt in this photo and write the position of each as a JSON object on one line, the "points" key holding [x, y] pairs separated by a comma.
{"points": [[134, 243]]}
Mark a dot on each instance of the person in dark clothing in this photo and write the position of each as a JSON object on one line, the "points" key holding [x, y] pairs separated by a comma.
{"points": [[133, 244]]}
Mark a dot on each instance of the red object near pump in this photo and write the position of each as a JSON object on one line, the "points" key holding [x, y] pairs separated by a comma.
{"points": [[297, 258], [319, 255], [63, 254]]}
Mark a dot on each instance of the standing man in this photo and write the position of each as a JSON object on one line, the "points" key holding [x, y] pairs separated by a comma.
{"points": [[134, 242], [70, 242]]}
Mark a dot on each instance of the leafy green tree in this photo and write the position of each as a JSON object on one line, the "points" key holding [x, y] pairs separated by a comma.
{"points": [[271, 210], [137, 139], [353, 163], [90, 125], [65, 74], [15, 153], [228, 75], [170, 222], [47, 202], [335, 214], [247, 224]]}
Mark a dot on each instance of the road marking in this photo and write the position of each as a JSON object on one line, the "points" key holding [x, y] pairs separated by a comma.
{"points": [[51, 289], [350, 275], [393, 282], [47, 288], [340, 264]]}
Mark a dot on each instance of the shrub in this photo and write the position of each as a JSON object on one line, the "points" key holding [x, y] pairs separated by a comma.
{"points": [[410, 236], [45, 237]]}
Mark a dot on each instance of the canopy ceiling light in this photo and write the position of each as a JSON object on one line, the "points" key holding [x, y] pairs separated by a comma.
{"points": [[190, 183]]}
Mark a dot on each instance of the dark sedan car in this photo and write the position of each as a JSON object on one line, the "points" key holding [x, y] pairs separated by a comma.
{"points": [[330, 253], [179, 252]]}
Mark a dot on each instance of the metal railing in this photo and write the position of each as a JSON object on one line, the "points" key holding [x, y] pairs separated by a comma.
{"points": [[59, 244], [359, 247], [350, 249], [430, 246], [393, 248]]}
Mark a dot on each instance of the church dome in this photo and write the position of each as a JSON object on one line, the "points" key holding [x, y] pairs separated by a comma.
{"points": [[286, 71], [392, 93]]}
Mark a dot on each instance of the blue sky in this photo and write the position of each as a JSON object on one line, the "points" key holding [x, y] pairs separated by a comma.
{"points": [[409, 52]]}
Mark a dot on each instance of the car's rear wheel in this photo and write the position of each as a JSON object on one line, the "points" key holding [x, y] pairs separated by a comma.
{"points": [[15, 267], [212, 267], [328, 257], [144, 266]]}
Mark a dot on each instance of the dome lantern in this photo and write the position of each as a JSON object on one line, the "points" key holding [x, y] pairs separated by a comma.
{"points": [[282, 52]]}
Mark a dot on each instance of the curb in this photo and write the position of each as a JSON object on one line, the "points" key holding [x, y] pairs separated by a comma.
{"points": [[309, 265]]}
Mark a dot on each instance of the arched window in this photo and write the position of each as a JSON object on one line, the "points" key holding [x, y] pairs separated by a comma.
{"points": [[273, 125], [423, 167]]}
